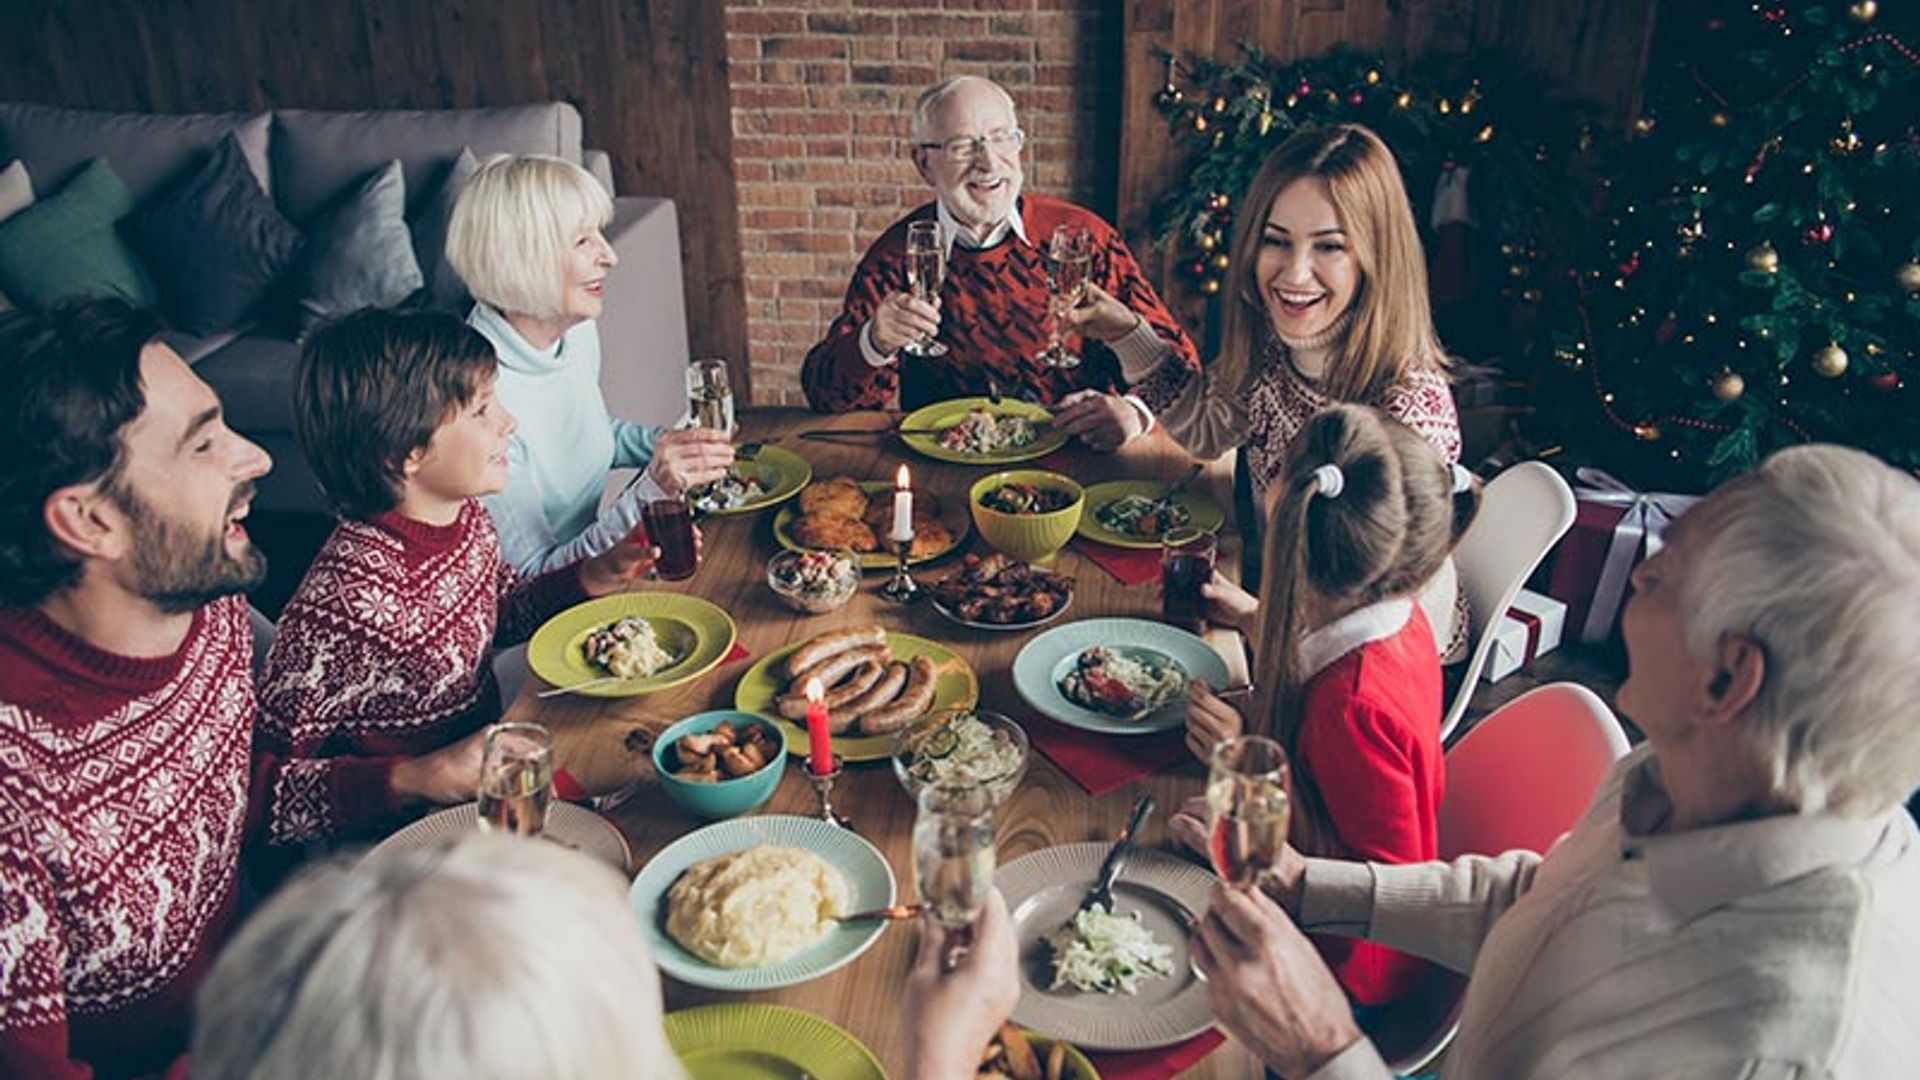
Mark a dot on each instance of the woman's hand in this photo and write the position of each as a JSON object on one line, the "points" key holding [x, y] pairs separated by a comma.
{"points": [[1105, 422], [1268, 986], [952, 1015], [1210, 721], [1284, 881], [690, 458], [900, 319], [1230, 605], [614, 569], [1100, 315]]}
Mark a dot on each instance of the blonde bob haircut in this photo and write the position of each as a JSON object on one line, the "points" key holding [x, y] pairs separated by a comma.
{"points": [[488, 958], [513, 225], [1392, 330]]}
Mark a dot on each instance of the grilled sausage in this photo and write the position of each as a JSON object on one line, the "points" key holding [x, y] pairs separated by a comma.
{"points": [[865, 665], [830, 644], [883, 693], [911, 705]]}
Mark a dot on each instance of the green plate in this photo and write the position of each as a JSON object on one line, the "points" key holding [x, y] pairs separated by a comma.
{"points": [[944, 414], [782, 472], [687, 626], [955, 687], [954, 516], [1206, 513], [869, 881], [767, 1042]]}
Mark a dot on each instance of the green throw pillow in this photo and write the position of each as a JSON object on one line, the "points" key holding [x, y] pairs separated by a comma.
{"points": [[66, 244]]}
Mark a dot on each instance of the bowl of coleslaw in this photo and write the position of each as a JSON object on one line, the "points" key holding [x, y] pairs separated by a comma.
{"points": [[961, 748], [1028, 513]]}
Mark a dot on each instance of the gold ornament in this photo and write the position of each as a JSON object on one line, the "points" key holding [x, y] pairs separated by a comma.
{"points": [[1647, 431], [1908, 275], [1219, 105], [1199, 122], [1863, 11], [1220, 261], [1208, 241], [1210, 286], [1729, 386], [1265, 123], [1643, 125], [1719, 119], [1831, 361], [1763, 258], [1373, 77]]}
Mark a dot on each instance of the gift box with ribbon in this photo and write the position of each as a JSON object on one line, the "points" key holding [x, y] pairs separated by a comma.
{"points": [[1614, 527], [1529, 630]]}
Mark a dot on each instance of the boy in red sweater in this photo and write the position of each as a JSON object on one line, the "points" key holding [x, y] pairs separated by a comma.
{"points": [[126, 689], [379, 683], [1364, 512]]}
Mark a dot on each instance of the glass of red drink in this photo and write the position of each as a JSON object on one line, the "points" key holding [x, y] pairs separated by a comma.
{"points": [[669, 524], [1186, 563]]}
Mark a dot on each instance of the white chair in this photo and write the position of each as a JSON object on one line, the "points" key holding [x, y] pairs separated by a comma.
{"points": [[1519, 779], [1523, 512]]}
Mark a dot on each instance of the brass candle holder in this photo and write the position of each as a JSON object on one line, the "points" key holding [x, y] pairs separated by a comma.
{"points": [[823, 787], [902, 589]]}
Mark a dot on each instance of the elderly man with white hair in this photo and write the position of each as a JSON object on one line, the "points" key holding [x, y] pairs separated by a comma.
{"points": [[1743, 897], [993, 312]]}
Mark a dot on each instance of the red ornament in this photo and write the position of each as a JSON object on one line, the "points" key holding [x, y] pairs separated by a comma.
{"points": [[1631, 266], [1356, 99], [1820, 232], [1885, 382], [1305, 88], [1714, 26]]}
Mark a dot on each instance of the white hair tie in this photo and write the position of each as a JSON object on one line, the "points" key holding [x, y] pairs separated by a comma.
{"points": [[1462, 477], [1329, 481]]}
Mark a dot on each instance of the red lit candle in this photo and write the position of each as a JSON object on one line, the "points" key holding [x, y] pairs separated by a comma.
{"points": [[819, 737]]}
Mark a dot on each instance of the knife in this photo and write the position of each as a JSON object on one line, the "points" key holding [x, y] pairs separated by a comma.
{"points": [[1101, 895]]}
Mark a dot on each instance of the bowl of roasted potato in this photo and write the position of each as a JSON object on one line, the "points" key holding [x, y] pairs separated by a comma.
{"points": [[720, 764]]}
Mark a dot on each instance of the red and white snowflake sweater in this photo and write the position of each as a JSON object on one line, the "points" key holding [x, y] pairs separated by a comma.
{"points": [[123, 797], [384, 653], [993, 319]]}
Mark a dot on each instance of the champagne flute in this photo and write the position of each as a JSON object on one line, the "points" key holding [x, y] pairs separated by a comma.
{"points": [[516, 779], [1247, 808], [710, 394], [1069, 257], [953, 859], [926, 271]]}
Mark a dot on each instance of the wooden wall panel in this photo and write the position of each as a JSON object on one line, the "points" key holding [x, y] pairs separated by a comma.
{"points": [[649, 78]]}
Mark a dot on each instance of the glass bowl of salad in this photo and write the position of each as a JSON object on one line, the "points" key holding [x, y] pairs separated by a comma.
{"points": [[963, 748], [814, 582]]}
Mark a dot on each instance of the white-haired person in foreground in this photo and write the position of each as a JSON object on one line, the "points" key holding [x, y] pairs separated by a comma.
{"points": [[487, 959], [526, 238], [1743, 897]]}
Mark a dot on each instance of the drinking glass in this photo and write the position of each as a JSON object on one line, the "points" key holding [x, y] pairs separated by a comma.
{"points": [[926, 270], [1186, 562], [1247, 808], [516, 779], [710, 393], [953, 858], [669, 525], [1069, 255]]}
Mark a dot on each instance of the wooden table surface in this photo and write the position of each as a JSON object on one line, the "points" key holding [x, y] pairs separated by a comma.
{"points": [[1048, 809]]}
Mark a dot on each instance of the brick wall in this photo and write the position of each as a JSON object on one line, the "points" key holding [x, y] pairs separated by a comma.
{"points": [[821, 94]]}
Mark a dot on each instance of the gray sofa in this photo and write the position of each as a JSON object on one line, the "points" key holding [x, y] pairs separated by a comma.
{"points": [[304, 159]]}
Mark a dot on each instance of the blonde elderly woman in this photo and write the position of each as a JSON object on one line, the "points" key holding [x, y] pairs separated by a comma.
{"points": [[491, 958], [1740, 899], [526, 238]]}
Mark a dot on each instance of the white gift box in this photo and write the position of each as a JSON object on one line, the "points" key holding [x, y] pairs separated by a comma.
{"points": [[1529, 629]]}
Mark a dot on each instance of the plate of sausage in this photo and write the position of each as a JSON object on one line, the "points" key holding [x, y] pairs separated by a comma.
{"points": [[876, 683]]}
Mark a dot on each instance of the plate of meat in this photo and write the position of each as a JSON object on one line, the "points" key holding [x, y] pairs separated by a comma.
{"points": [[876, 683], [998, 592]]}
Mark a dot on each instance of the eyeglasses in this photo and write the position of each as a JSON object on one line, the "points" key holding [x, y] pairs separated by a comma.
{"points": [[964, 148]]}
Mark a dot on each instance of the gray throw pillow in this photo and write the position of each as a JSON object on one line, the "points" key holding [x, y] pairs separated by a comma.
{"points": [[16, 194], [214, 243], [360, 253], [445, 291]]}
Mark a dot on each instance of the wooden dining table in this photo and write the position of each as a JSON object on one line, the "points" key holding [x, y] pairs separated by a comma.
{"points": [[593, 740]]}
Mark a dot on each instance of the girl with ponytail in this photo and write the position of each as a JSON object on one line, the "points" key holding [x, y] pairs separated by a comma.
{"points": [[1348, 674]]}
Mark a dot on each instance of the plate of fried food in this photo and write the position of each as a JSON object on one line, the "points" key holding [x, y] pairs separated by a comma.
{"points": [[1017, 1054], [758, 903], [842, 512], [630, 643], [978, 431], [999, 592], [1129, 513], [876, 683], [769, 478]]}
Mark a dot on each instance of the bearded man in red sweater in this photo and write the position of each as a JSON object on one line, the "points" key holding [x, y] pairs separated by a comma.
{"points": [[126, 691], [993, 311]]}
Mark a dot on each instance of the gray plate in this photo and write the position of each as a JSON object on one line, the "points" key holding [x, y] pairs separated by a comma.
{"points": [[567, 824], [1044, 889]]}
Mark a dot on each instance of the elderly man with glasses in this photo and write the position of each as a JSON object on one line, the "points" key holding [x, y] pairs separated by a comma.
{"points": [[993, 318]]}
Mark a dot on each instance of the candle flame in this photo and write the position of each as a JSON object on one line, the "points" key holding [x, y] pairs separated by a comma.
{"points": [[815, 692], [902, 479]]}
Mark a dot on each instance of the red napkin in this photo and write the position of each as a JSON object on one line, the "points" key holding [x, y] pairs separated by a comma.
{"points": [[1056, 460], [1158, 1064], [1129, 566], [738, 652], [1101, 763], [566, 788]]}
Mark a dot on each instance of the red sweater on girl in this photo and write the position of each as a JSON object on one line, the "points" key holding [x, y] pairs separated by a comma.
{"points": [[1370, 741], [123, 796], [384, 652]]}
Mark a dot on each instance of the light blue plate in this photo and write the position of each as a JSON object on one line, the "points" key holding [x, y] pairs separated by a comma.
{"points": [[869, 885], [1038, 669]]}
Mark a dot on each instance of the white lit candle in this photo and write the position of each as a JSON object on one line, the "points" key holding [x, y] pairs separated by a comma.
{"points": [[902, 507]]}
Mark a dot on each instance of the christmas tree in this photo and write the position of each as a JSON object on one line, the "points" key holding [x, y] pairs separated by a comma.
{"points": [[1753, 279]]}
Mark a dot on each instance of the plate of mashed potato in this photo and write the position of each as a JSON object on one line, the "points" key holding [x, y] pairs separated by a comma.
{"points": [[631, 643], [752, 903]]}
